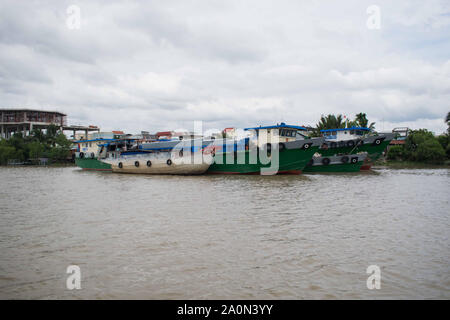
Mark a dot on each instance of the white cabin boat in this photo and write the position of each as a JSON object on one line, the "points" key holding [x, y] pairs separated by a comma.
{"points": [[181, 162]]}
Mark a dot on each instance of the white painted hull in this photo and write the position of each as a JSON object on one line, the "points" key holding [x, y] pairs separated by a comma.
{"points": [[159, 164]]}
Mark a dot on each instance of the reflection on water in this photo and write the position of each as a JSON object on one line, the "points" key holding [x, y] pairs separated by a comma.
{"points": [[230, 237]]}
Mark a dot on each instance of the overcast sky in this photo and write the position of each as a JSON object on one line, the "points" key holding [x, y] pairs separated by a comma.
{"points": [[157, 65]]}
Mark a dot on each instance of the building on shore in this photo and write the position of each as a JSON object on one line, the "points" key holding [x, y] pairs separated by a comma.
{"points": [[14, 120], [176, 135]]}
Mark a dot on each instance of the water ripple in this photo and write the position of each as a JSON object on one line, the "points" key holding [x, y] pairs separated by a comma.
{"points": [[224, 237]]}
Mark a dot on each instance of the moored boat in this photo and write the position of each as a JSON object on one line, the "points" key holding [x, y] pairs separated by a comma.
{"points": [[344, 163], [266, 150], [88, 163], [171, 163], [350, 141], [90, 152]]}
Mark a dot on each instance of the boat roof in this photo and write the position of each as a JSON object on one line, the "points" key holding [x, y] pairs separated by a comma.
{"points": [[278, 126], [343, 129], [101, 139], [93, 140]]}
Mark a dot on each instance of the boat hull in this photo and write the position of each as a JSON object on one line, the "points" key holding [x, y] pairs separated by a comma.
{"points": [[92, 164], [161, 164], [353, 164], [292, 159], [373, 150]]}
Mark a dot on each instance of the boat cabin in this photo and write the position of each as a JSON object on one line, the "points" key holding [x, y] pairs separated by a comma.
{"points": [[90, 146], [401, 133], [343, 134], [95, 147], [278, 133]]}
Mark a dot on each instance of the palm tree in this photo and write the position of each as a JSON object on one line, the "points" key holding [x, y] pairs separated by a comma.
{"points": [[37, 135], [50, 136], [362, 121], [352, 123], [330, 122]]}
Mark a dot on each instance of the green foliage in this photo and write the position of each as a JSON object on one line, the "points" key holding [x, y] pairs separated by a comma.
{"points": [[53, 144], [395, 153], [447, 119], [58, 154], [38, 135], [35, 150], [51, 135], [6, 152], [430, 151], [332, 121], [444, 140], [61, 141], [329, 122], [420, 146], [362, 121]]}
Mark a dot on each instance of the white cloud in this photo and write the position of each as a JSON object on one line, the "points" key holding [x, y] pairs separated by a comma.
{"points": [[159, 65]]}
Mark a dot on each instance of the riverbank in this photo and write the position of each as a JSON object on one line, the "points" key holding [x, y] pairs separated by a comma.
{"points": [[51, 165], [397, 164]]}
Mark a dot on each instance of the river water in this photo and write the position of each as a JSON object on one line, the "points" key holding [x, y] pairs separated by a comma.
{"points": [[224, 237]]}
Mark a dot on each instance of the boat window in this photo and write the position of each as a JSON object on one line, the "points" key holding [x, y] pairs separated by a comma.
{"points": [[345, 132], [283, 132], [334, 133], [352, 131]]}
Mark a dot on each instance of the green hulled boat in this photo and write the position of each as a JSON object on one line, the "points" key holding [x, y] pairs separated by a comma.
{"points": [[351, 141], [90, 152], [344, 163], [255, 155], [92, 164]]}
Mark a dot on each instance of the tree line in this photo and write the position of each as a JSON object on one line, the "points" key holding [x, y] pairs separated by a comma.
{"points": [[332, 121], [420, 145], [423, 146], [52, 144]]}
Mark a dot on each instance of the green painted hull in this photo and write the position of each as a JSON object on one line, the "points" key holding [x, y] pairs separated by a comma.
{"points": [[344, 167], [373, 151], [290, 161], [92, 164]]}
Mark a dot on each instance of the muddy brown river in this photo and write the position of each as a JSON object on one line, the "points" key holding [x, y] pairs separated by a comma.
{"points": [[224, 237]]}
